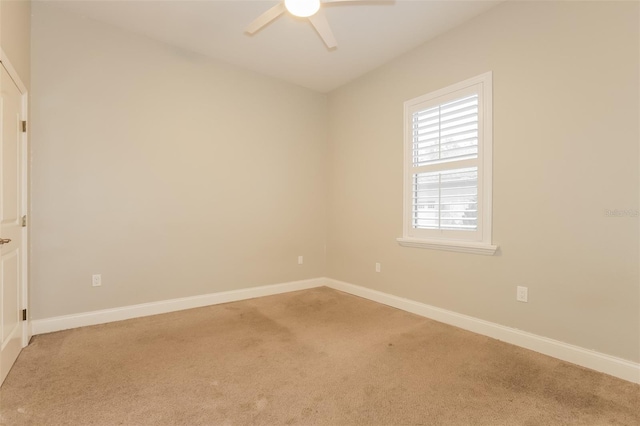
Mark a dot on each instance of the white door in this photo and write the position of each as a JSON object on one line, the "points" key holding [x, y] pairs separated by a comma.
{"points": [[11, 231]]}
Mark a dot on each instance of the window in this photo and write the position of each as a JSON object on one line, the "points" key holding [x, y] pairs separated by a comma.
{"points": [[447, 170]]}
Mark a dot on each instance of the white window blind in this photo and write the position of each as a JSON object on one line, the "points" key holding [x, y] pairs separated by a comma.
{"points": [[446, 200], [446, 132], [448, 164]]}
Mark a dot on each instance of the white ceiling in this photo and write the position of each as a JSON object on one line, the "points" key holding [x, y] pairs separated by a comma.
{"points": [[368, 33]]}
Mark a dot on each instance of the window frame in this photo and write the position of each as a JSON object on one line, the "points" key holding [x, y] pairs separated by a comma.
{"points": [[479, 241]]}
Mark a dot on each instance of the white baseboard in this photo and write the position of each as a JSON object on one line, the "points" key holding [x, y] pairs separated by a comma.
{"points": [[597, 361], [66, 322], [603, 363]]}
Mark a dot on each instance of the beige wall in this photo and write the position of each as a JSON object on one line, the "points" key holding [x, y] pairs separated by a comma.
{"points": [[169, 174], [565, 149], [15, 35]]}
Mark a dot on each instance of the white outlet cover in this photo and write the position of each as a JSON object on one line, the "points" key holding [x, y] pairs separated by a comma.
{"points": [[96, 280], [522, 294]]}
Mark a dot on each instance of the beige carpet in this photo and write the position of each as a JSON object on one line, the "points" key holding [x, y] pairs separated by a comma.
{"points": [[311, 357]]}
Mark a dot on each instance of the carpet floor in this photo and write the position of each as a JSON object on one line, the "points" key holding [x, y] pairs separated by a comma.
{"points": [[313, 357]]}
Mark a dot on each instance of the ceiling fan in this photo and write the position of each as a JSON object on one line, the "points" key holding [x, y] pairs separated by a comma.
{"points": [[302, 9]]}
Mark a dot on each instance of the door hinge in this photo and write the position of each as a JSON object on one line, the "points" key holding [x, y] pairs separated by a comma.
{"points": [[24, 221], [24, 315], [24, 127]]}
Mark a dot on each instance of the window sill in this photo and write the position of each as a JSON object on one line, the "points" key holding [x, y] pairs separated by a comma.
{"points": [[457, 246]]}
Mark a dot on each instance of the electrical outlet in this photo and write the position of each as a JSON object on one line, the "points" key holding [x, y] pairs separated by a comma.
{"points": [[300, 260], [522, 294], [377, 266], [96, 280]]}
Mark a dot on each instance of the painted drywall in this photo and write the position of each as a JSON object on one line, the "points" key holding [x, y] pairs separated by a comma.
{"points": [[169, 174], [565, 151], [15, 36]]}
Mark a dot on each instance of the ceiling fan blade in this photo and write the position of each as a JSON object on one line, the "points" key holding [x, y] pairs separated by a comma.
{"points": [[320, 23], [266, 17]]}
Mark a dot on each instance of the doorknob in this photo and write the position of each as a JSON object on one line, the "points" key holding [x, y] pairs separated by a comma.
{"points": [[4, 241]]}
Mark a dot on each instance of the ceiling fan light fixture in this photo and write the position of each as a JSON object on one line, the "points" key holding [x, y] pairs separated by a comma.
{"points": [[302, 8]]}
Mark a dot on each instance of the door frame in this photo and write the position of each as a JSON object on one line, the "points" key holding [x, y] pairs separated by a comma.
{"points": [[24, 159]]}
